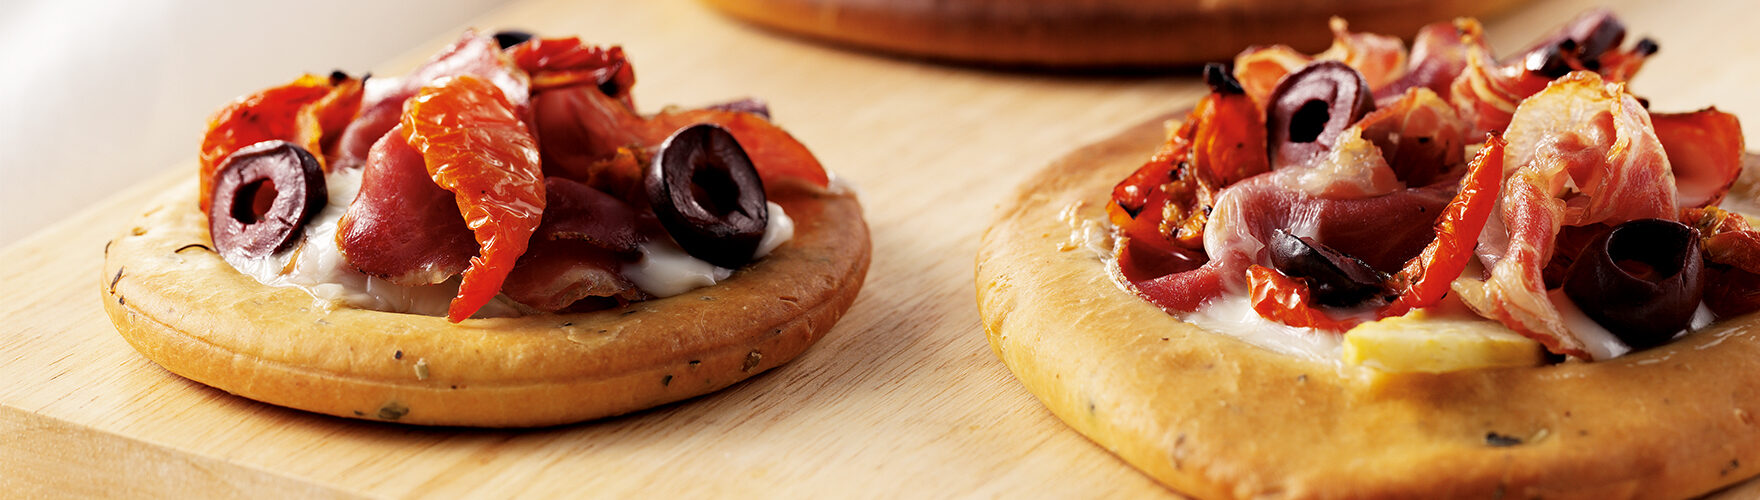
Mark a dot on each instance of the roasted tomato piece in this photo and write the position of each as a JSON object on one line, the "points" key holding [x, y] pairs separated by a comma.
{"points": [[1426, 278], [1728, 239], [565, 62], [1165, 204], [1286, 300], [310, 111], [475, 145]]}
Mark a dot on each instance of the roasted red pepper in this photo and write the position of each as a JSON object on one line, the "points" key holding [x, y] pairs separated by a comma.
{"points": [[475, 145]]}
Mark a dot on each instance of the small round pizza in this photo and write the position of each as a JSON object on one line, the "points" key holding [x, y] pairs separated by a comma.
{"points": [[1376, 273], [496, 239]]}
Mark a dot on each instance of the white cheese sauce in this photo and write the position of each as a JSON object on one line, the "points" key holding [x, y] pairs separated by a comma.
{"points": [[316, 265], [666, 270], [1233, 315]]}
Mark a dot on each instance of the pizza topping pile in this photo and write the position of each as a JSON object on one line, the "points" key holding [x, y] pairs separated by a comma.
{"points": [[1335, 190], [510, 172]]}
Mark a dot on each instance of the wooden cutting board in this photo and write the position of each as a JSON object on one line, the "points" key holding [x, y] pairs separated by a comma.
{"points": [[902, 398]]}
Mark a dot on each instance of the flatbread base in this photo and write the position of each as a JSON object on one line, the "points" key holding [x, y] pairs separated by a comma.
{"points": [[183, 307], [1214, 417]]}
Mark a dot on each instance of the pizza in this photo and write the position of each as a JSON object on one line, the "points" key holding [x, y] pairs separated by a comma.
{"points": [[1387, 273], [495, 239]]}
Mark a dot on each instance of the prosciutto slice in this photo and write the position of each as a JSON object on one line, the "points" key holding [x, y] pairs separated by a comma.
{"points": [[580, 126], [1380, 58], [1705, 152], [577, 252], [1487, 91], [473, 54], [1384, 231], [1437, 58], [402, 227], [1580, 152]]}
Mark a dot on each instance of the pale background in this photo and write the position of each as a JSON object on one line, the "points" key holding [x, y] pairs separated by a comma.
{"points": [[99, 95]]}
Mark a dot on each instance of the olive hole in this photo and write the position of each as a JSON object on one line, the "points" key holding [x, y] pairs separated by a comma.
{"points": [[715, 191], [253, 200], [1308, 121], [1648, 255]]}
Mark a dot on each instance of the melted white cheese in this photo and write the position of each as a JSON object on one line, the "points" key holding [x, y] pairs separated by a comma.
{"points": [[1600, 343], [1233, 315], [666, 270], [316, 265]]}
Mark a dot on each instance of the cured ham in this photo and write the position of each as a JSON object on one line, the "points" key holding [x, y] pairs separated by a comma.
{"points": [[1380, 58], [1487, 91], [1437, 58], [476, 146], [1418, 135], [1580, 152], [579, 126], [1705, 152], [382, 104], [402, 227], [584, 238], [569, 276], [1384, 231]]}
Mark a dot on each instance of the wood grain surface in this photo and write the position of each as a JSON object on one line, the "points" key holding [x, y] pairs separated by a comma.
{"points": [[902, 398]]}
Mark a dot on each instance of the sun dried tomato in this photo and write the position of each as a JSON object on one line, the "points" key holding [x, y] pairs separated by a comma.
{"points": [[475, 145], [1229, 143], [1286, 300], [1426, 278], [306, 112], [1164, 205], [565, 62]]}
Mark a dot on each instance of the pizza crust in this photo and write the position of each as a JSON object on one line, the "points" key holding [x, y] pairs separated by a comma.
{"points": [[183, 307], [1214, 417]]}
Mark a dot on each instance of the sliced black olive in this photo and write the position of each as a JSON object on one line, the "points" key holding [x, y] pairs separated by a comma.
{"points": [[1642, 280], [1310, 107], [1646, 47], [263, 195], [707, 195], [1216, 75], [509, 38], [747, 105], [1334, 278], [1580, 44], [1553, 61], [1597, 35]]}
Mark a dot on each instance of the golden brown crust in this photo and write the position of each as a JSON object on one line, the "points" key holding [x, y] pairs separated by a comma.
{"points": [[1090, 33], [186, 309], [1217, 418]]}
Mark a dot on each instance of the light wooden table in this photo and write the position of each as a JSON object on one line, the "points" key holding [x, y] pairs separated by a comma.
{"points": [[902, 398]]}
